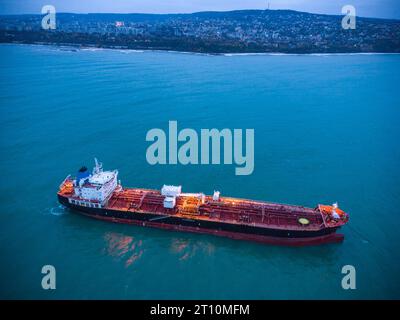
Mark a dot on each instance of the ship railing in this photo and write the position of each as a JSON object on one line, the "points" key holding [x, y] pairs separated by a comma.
{"points": [[142, 199], [262, 215], [261, 209], [136, 199], [257, 203], [322, 216], [65, 180], [247, 206]]}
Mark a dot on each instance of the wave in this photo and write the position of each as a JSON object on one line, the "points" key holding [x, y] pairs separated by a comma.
{"points": [[57, 211], [308, 54], [76, 48], [255, 54], [129, 50], [91, 49]]}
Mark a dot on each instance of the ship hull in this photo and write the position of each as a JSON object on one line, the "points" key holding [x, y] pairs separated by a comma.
{"points": [[222, 229]]}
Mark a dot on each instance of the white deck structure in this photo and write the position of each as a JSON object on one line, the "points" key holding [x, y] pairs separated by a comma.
{"points": [[98, 186]]}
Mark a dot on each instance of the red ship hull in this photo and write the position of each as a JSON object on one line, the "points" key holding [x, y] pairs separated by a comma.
{"points": [[144, 208], [295, 242]]}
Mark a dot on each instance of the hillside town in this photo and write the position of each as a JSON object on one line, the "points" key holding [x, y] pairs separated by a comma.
{"points": [[284, 31]]}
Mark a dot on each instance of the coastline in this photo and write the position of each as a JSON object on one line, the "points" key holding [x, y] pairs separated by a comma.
{"points": [[226, 54]]}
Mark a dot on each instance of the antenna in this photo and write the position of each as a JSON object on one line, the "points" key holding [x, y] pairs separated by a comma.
{"points": [[335, 215], [98, 166]]}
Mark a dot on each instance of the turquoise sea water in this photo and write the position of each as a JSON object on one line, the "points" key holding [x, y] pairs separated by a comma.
{"points": [[326, 129]]}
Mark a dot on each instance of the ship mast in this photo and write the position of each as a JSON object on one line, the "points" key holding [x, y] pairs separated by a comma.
{"points": [[98, 167]]}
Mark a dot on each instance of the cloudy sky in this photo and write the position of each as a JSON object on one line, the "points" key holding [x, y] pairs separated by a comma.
{"points": [[367, 8]]}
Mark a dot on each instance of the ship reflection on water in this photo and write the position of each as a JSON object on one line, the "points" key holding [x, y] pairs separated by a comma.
{"points": [[186, 248], [127, 248]]}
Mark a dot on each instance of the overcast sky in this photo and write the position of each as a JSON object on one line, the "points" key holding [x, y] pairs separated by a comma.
{"points": [[366, 8]]}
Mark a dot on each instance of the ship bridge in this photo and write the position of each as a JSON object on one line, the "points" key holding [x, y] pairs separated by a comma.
{"points": [[96, 187], [102, 178]]}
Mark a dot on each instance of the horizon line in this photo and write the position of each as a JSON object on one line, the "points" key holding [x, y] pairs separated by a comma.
{"points": [[196, 12]]}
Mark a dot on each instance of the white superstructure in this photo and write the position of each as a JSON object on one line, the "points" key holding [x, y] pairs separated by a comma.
{"points": [[170, 193], [169, 202], [97, 186]]}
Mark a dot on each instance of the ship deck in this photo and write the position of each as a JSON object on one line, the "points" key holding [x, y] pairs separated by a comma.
{"points": [[226, 209]]}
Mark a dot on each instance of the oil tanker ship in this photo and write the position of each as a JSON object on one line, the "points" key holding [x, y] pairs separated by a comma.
{"points": [[99, 194]]}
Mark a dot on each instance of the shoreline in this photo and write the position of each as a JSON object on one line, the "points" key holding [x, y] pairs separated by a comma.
{"points": [[81, 47]]}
